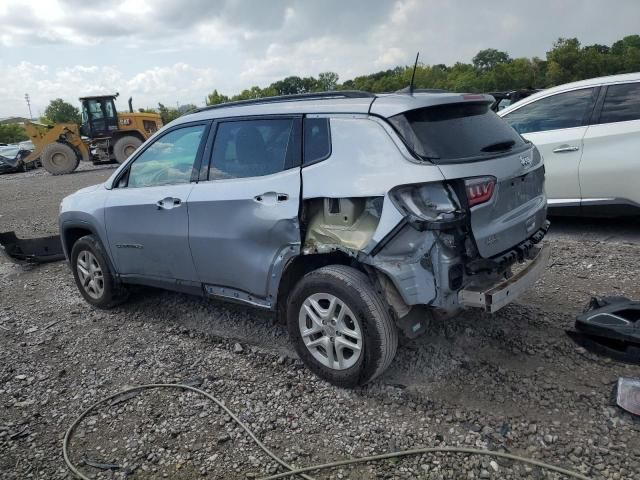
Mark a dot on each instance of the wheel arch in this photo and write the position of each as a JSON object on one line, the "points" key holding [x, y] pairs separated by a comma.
{"points": [[71, 232], [300, 265]]}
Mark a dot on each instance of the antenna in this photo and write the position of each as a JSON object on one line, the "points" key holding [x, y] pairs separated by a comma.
{"points": [[413, 74]]}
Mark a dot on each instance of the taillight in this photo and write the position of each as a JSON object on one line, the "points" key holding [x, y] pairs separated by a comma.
{"points": [[479, 189]]}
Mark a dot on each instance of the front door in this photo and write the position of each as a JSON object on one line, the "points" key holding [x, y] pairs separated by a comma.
{"points": [[244, 219], [556, 124], [147, 211]]}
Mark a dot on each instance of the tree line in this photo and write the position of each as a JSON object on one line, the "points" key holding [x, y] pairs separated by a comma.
{"points": [[490, 70]]}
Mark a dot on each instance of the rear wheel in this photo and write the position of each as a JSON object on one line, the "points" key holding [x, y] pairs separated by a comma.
{"points": [[340, 326], [93, 276], [125, 146], [59, 159]]}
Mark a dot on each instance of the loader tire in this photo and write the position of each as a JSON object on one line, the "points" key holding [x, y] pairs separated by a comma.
{"points": [[59, 159], [125, 146]]}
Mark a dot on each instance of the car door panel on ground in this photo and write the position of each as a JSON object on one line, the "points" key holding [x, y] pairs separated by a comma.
{"points": [[146, 214], [556, 125], [246, 213], [611, 159]]}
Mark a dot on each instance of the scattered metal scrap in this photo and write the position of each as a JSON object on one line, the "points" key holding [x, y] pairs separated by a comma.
{"points": [[628, 396], [101, 465], [38, 250], [610, 326]]}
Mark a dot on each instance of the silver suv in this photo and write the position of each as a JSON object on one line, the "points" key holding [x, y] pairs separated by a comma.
{"points": [[353, 216]]}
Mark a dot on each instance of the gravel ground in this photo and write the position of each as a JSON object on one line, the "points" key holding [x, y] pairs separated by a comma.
{"points": [[512, 382]]}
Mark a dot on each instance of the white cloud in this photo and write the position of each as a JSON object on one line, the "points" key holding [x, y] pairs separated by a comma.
{"points": [[176, 83], [168, 50]]}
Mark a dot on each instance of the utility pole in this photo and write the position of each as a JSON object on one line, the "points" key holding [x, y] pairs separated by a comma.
{"points": [[28, 100]]}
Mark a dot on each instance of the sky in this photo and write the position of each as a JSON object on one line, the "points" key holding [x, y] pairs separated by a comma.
{"points": [[177, 51]]}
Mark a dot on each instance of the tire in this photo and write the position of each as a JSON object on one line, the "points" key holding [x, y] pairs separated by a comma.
{"points": [[366, 314], [106, 292], [124, 147], [59, 159]]}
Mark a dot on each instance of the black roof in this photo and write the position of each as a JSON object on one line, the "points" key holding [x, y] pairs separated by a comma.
{"points": [[99, 96], [291, 98]]}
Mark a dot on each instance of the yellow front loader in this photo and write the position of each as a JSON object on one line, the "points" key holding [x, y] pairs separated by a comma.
{"points": [[104, 135]]}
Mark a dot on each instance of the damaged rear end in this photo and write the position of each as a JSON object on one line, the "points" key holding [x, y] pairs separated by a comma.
{"points": [[452, 215]]}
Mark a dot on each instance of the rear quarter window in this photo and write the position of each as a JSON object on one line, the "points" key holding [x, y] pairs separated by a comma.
{"points": [[317, 140], [456, 132]]}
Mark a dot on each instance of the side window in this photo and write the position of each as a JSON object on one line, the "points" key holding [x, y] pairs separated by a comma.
{"points": [[317, 139], [564, 110], [621, 104], [252, 148], [169, 160]]}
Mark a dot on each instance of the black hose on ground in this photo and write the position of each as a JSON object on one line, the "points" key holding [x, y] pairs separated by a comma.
{"points": [[292, 471]]}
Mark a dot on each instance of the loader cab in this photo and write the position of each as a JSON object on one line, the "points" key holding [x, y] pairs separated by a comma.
{"points": [[99, 116]]}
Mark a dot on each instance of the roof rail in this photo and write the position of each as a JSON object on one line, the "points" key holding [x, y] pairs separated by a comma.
{"points": [[422, 90], [292, 98]]}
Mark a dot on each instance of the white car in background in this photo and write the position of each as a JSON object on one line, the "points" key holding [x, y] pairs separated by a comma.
{"points": [[589, 135]]}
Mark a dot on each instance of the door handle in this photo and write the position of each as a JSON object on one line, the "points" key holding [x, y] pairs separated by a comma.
{"points": [[269, 198], [168, 203], [566, 148]]}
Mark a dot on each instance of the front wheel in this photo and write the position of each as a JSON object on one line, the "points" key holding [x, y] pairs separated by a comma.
{"points": [[340, 326], [93, 276]]}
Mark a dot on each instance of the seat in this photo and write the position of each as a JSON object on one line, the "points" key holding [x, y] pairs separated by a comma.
{"points": [[251, 152]]}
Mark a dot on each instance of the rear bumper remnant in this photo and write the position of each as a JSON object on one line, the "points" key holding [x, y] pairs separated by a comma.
{"points": [[497, 296], [39, 250]]}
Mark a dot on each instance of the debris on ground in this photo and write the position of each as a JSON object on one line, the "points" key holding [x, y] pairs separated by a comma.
{"points": [[502, 382], [610, 326], [628, 396]]}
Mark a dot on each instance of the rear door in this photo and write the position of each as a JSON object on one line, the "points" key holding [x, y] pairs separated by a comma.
{"points": [[610, 167], [556, 125], [146, 213], [243, 216]]}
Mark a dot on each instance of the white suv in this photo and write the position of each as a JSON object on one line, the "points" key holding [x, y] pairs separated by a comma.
{"points": [[588, 133]]}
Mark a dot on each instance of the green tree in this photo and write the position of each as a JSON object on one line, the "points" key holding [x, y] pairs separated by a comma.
{"points": [[490, 70], [215, 98], [327, 81], [59, 111], [630, 41], [294, 85], [563, 59], [12, 133], [189, 107], [167, 114], [489, 58]]}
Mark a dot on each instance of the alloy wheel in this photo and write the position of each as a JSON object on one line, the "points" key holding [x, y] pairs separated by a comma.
{"points": [[330, 331], [90, 274]]}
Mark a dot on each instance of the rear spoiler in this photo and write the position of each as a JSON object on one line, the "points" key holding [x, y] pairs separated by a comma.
{"points": [[38, 250]]}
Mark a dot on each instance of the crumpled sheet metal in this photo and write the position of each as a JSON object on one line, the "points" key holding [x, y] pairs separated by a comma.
{"points": [[353, 237], [628, 396]]}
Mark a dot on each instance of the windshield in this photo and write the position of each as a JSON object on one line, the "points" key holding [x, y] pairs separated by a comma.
{"points": [[9, 152], [456, 132]]}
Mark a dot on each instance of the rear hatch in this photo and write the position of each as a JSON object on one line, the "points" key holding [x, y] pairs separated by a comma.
{"points": [[499, 173]]}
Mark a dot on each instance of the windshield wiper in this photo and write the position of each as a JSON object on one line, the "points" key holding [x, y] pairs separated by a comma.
{"points": [[499, 146]]}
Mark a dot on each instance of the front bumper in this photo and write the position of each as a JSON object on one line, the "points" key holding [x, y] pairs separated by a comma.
{"points": [[497, 296]]}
